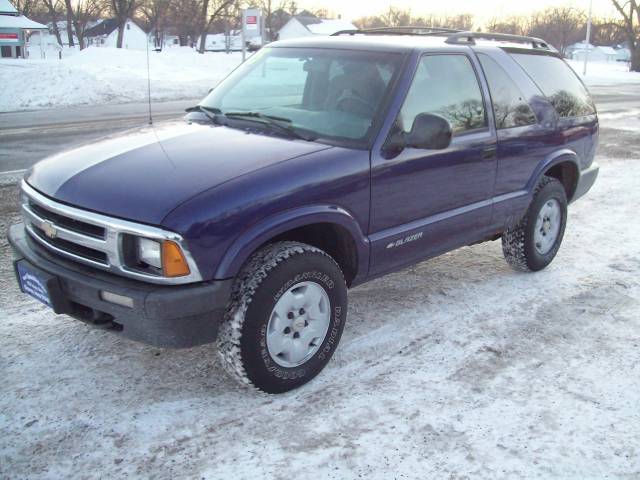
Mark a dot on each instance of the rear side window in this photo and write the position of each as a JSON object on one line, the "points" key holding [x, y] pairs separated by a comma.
{"points": [[445, 85], [509, 106], [559, 83]]}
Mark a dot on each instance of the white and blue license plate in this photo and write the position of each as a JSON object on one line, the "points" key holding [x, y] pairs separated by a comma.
{"points": [[34, 283]]}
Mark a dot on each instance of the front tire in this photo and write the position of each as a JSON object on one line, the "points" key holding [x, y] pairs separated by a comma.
{"points": [[534, 242], [285, 317]]}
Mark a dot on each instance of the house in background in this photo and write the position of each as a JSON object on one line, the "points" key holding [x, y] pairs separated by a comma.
{"points": [[105, 34], [604, 54], [302, 26], [15, 30], [595, 54]]}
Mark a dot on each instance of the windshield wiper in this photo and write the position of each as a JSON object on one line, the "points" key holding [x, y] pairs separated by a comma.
{"points": [[211, 112], [272, 121]]}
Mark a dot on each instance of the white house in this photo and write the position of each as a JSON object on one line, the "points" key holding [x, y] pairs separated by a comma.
{"points": [[596, 54], [300, 26], [105, 34]]}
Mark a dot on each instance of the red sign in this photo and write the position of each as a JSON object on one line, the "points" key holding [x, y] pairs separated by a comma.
{"points": [[8, 36], [252, 20]]}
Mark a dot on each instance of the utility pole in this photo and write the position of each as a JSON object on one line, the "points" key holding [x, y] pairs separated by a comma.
{"points": [[587, 41]]}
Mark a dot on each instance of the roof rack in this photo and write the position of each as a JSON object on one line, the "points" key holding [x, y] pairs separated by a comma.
{"points": [[468, 38], [399, 31], [454, 37]]}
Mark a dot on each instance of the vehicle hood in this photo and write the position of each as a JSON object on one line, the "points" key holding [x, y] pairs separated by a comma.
{"points": [[144, 174]]}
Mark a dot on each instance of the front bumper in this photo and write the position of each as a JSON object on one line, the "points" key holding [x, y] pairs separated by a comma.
{"points": [[165, 316]]}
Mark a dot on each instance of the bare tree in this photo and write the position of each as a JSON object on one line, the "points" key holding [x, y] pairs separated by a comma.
{"points": [[79, 15], [122, 10], [25, 7], [630, 11], [276, 14], [183, 13], [514, 25], [54, 7], [155, 14], [607, 31], [69, 12], [398, 17], [560, 26], [210, 11]]}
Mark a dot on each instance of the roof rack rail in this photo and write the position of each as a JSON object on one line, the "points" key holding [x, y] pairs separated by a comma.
{"points": [[454, 37], [410, 30], [468, 38]]}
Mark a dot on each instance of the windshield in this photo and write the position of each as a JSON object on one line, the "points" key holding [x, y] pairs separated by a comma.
{"points": [[331, 94]]}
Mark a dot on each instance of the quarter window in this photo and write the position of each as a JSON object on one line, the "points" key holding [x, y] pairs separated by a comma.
{"points": [[445, 85], [559, 83], [509, 106]]}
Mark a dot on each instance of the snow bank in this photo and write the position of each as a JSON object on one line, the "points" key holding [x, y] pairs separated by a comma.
{"points": [[97, 76], [108, 75], [605, 73]]}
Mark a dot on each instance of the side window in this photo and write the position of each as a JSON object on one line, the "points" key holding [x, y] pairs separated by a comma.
{"points": [[445, 85], [558, 82], [509, 106]]}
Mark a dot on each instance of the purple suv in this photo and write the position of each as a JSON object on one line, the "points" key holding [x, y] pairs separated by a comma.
{"points": [[317, 165]]}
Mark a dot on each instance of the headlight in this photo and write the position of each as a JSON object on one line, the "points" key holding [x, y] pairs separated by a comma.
{"points": [[160, 257], [149, 251]]}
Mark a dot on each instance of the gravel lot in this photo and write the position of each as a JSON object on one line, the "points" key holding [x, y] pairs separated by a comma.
{"points": [[456, 368]]}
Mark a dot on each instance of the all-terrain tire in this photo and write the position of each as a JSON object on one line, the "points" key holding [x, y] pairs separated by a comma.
{"points": [[242, 341], [518, 243]]}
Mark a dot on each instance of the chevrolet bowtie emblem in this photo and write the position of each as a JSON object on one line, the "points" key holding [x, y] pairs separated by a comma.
{"points": [[49, 229]]}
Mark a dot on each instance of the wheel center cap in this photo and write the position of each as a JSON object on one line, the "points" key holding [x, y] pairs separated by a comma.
{"points": [[546, 226], [298, 324]]}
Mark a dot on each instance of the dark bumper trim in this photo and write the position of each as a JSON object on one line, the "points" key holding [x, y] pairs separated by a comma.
{"points": [[167, 316], [585, 182]]}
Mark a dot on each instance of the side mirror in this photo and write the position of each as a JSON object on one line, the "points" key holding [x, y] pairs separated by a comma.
{"points": [[429, 131]]}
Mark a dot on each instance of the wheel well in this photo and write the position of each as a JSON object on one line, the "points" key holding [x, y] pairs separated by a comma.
{"points": [[331, 238], [567, 174]]}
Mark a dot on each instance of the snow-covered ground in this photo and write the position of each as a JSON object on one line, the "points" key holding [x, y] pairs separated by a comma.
{"points": [[98, 76], [609, 73], [456, 368]]}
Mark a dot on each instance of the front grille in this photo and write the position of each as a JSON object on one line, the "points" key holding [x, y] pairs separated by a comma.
{"points": [[66, 222], [73, 248]]}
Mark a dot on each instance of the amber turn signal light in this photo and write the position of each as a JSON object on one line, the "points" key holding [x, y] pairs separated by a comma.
{"points": [[173, 262]]}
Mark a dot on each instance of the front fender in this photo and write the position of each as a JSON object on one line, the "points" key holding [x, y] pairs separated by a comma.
{"points": [[270, 227]]}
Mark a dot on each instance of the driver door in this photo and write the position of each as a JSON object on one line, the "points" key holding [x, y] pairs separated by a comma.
{"points": [[425, 202]]}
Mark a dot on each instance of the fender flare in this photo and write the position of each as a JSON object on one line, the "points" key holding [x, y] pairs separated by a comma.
{"points": [[555, 158], [259, 233]]}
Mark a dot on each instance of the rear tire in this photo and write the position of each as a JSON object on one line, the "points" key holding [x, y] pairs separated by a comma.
{"points": [[534, 242], [285, 317]]}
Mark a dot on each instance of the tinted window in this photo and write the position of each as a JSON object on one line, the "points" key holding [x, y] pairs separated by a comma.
{"points": [[445, 85], [559, 83], [509, 106]]}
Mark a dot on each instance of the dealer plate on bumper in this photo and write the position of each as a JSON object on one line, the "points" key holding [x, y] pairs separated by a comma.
{"points": [[41, 285]]}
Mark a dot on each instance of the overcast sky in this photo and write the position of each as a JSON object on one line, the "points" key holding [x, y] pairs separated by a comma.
{"points": [[482, 9]]}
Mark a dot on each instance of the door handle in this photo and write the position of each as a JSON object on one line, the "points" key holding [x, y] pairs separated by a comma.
{"points": [[489, 153]]}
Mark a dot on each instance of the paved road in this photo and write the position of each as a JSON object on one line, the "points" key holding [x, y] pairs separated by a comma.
{"points": [[27, 137]]}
